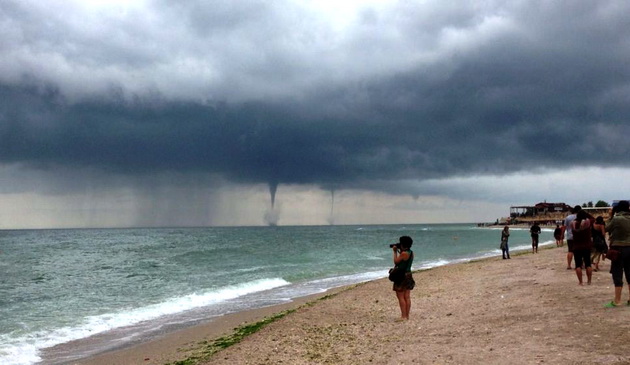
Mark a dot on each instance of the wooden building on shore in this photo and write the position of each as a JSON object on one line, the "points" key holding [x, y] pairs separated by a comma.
{"points": [[548, 213], [541, 213]]}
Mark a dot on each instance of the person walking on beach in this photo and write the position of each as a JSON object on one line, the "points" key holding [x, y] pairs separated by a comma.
{"points": [[505, 234], [582, 244], [569, 234], [535, 231], [403, 258], [599, 242], [618, 228], [557, 234]]}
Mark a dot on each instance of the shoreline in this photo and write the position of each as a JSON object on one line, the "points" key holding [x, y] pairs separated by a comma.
{"points": [[177, 345], [80, 350], [519, 225], [521, 311]]}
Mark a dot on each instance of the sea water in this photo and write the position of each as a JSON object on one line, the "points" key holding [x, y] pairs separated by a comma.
{"points": [[120, 286]]}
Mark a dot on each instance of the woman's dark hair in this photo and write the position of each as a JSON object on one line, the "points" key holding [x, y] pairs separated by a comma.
{"points": [[599, 220], [623, 206], [581, 215], [405, 241]]}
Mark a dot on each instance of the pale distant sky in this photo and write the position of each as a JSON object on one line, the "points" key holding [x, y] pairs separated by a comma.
{"points": [[154, 113]]}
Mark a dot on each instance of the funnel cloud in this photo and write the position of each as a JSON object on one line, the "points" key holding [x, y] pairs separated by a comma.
{"points": [[331, 217], [406, 99]]}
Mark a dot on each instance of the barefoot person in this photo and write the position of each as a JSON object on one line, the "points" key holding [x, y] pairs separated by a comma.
{"points": [[582, 244], [599, 242], [557, 234], [535, 232], [618, 229], [403, 258], [569, 234]]}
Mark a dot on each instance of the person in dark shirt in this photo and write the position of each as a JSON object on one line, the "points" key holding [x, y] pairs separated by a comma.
{"points": [[618, 229], [582, 244], [599, 242], [403, 258], [535, 231], [505, 235]]}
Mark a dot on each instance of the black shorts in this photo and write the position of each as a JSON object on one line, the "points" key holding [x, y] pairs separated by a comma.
{"points": [[620, 266], [582, 256]]}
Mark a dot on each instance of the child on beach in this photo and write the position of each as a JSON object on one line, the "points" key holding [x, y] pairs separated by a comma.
{"points": [[557, 234], [599, 242]]}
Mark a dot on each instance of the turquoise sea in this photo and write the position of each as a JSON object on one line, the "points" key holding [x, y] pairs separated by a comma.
{"points": [[122, 286]]}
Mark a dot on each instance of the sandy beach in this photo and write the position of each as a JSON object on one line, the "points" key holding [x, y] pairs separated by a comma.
{"points": [[527, 310]]}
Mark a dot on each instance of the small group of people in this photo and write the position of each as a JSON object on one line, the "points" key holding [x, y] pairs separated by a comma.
{"points": [[586, 242], [505, 235], [579, 226]]}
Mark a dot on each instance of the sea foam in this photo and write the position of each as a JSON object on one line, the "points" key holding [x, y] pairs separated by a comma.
{"points": [[25, 350]]}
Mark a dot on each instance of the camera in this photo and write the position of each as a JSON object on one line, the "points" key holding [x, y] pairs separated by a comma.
{"points": [[397, 245]]}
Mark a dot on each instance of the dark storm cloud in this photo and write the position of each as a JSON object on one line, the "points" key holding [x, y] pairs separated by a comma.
{"points": [[252, 143], [442, 92]]}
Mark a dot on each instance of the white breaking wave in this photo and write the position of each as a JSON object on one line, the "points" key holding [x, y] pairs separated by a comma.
{"points": [[25, 350], [353, 278], [435, 263]]}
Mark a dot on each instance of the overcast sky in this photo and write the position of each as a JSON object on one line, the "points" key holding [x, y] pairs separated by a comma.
{"points": [[127, 113]]}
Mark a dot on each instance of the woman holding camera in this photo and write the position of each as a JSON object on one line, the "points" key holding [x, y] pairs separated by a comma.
{"points": [[403, 258]]}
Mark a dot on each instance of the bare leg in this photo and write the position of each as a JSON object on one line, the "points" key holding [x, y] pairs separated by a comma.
{"points": [[578, 272], [589, 275], [618, 290], [596, 260], [569, 259], [408, 303], [402, 302]]}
